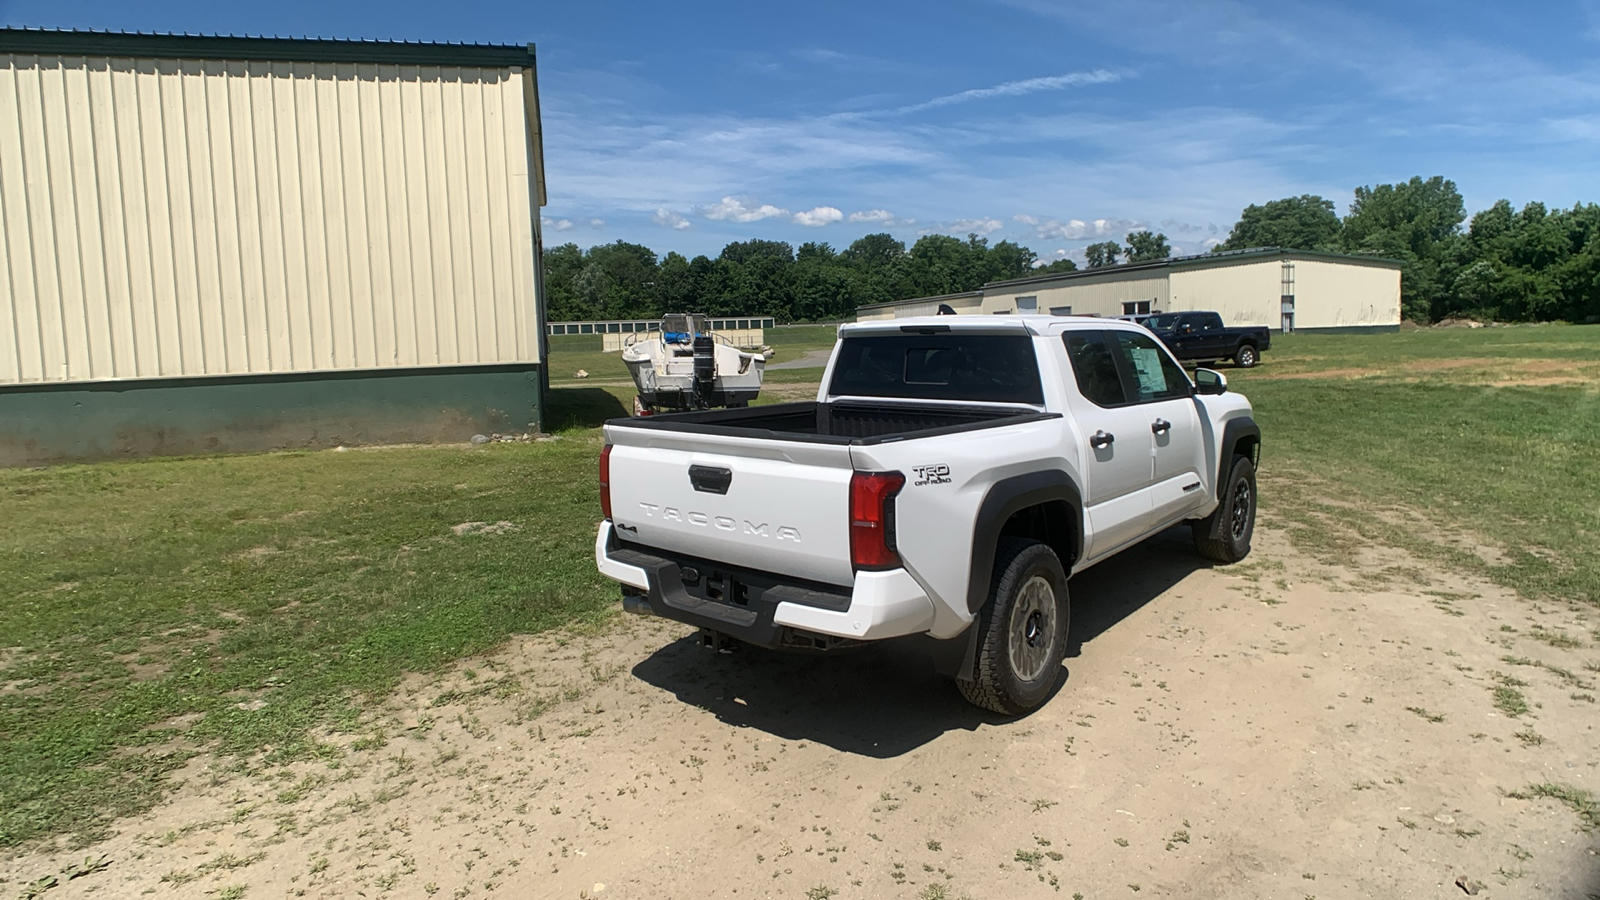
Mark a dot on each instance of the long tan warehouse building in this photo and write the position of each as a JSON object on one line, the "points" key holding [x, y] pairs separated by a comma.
{"points": [[1287, 290], [214, 243]]}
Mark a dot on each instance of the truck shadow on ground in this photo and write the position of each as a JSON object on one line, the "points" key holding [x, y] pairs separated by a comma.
{"points": [[886, 699]]}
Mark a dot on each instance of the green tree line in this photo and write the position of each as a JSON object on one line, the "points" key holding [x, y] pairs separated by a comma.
{"points": [[1532, 264], [771, 278]]}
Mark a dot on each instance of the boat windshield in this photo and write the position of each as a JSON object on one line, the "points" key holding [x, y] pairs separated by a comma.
{"points": [[680, 328]]}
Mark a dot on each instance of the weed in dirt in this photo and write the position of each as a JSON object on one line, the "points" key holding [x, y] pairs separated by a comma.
{"points": [[1030, 859], [1578, 800], [1558, 639], [1423, 713], [1507, 698], [1586, 698], [934, 845], [1121, 842], [1529, 737], [820, 892], [232, 892], [1041, 805]]}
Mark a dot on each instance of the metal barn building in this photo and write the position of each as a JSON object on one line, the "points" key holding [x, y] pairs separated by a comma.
{"points": [[1289, 290], [220, 243]]}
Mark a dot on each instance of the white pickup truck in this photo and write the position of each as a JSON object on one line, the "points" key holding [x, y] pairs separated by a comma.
{"points": [[951, 475]]}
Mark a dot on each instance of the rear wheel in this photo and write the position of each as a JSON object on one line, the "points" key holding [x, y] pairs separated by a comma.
{"points": [[1246, 356], [1022, 630], [1224, 536]]}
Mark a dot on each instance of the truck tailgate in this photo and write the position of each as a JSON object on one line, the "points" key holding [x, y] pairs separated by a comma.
{"points": [[779, 506]]}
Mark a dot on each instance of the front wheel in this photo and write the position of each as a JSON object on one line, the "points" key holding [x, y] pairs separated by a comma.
{"points": [[1022, 630], [1224, 536], [1246, 356]]}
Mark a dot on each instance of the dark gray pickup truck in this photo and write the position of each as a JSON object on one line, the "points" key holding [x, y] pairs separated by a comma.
{"points": [[1201, 336]]}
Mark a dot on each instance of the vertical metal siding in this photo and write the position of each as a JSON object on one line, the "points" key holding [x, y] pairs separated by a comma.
{"points": [[202, 217], [1244, 294], [1344, 295]]}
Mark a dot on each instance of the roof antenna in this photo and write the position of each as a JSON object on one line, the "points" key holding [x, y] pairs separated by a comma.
{"points": [[945, 310]]}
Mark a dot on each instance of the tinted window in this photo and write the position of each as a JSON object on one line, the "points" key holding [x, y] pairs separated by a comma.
{"points": [[1160, 323], [1095, 367], [982, 367], [1155, 375], [1210, 322]]}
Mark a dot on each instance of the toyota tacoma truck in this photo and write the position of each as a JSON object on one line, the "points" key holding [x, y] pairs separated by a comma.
{"points": [[950, 477], [1202, 337]]}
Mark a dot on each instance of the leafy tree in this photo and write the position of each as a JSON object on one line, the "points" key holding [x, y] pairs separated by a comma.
{"points": [[1057, 267], [1306, 222], [1421, 213], [1102, 254], [1007, 260], [1146, 247]]}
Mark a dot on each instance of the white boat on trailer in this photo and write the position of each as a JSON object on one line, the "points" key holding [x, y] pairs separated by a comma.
{"points": [[686, 366]]}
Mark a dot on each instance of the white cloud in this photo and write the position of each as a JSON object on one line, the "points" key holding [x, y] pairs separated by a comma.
{"points": [[1048, 229], [738, 209], [873, 215], [666, 218], [1016, 88], [550, 224], [816, 218], [597, 223], [980, 226]]}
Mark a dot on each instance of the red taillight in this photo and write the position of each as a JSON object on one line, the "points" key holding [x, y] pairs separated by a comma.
{"points": [[872, 519], [605, 481]]}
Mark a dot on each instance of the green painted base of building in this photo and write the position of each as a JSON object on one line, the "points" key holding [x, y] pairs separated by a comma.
{"points": [[42, 424], [1352, 329]]}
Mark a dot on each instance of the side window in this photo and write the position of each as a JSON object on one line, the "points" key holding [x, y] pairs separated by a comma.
{"points": [[1095, 367], [1155, 375], [1211, 322]]}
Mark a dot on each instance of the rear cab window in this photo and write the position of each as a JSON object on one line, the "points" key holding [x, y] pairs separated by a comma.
{"points": [[988, 368]]}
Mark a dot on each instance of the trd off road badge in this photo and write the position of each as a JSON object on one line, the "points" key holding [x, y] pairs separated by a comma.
{"points": [[939, 474]]}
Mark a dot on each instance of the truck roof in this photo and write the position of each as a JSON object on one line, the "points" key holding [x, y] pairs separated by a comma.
{"points": [[1038, 325]]}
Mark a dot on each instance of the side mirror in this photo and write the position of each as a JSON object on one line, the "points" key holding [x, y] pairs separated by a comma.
{"points": [[1208, 381]]}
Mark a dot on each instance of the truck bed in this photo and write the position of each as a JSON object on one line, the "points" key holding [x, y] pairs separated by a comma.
{"points": [[838, 422]]}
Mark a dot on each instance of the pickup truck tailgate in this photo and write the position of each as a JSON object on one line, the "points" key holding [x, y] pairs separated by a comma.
{"points": [[771, 505]]}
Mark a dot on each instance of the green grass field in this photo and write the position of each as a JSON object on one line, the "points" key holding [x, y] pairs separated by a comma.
{"points": [[247, 604]]}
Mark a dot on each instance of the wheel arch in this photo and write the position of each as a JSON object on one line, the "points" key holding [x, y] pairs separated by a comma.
{"points": [[1240, 437], [1046, 506]]}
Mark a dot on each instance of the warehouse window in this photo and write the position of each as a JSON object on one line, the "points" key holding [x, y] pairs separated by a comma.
{"points": [[1027, 305], [744, 323], [768, 322], [614, 327], [1136, 308], [586, 328], [1060, 310]]}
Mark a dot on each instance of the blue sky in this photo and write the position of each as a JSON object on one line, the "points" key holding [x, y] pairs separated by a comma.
{"points": [[686, 126]]}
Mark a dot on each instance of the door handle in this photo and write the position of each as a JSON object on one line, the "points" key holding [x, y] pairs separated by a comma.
{"points": [[1160, 426], [1101, 439]]}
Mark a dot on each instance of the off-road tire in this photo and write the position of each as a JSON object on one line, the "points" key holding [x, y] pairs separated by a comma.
{"points": [[995, 682], [1246, 356], [1234, 518]]}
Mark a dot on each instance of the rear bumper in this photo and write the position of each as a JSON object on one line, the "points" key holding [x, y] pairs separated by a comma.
{"points": [[762, 608]]}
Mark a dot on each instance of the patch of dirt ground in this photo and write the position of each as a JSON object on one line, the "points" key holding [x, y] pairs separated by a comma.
{"points": [[1273, 729]]}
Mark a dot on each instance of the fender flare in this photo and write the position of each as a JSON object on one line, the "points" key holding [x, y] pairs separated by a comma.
{"points": [[1235, 431], [1003, 500]]}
